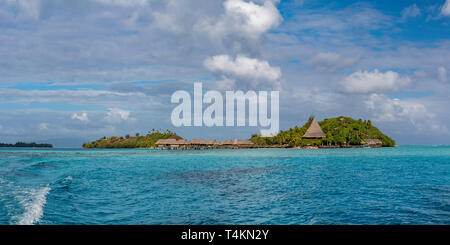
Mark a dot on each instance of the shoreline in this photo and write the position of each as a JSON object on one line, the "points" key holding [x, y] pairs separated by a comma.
{"points": [[254, 147]]}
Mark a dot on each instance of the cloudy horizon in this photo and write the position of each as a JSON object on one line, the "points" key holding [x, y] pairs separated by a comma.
{"points": [[75, 71]]}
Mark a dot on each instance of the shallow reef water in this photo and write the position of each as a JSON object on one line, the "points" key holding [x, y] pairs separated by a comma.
{"points": [[399, 185]]}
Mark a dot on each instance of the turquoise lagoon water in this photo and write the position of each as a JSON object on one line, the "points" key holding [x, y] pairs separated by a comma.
{"points": [[401, 185]]}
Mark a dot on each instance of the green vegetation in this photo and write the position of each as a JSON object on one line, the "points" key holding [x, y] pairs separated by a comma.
{"points": [[342, 131], [23, 144], [138, 141]]}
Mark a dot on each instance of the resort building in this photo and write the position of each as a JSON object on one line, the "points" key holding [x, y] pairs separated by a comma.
{"points": [[314, 131], [171, 143], [197, 143], [237, 144], [201, 144]]}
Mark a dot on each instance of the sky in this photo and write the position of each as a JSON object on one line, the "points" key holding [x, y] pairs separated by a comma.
{"points": [[75, 71]]}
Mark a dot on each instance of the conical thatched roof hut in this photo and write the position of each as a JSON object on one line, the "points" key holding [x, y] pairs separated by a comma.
{"points": [[314, 131]]}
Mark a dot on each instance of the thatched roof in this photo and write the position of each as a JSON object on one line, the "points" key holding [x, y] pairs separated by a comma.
{"points": [[237, 142], [171, 142], [182, 142], [166, 141], [211, 142], [197, 142], [227, 142], [245, 142], [314, 131]]}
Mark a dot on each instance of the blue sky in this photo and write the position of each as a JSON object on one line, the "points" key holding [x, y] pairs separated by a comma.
{"points": [[74, 71]]}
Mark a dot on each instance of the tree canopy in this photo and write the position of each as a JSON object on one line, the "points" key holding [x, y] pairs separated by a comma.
{"points": [[138, 141], [338, 131]]}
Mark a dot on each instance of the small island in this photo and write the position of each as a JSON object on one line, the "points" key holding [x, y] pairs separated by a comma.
{"points": [[137, 141], [30, 145], [165, 139], [339, 132]]}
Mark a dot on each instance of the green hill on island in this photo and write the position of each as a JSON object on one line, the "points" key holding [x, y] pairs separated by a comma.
{"points": [[128, 141], [339, 131]]}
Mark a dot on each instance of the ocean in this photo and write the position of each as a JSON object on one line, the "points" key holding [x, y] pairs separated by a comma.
{"points": [[400, 185]]}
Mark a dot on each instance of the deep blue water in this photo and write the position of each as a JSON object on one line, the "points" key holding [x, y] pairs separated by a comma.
{"points": [[401, 185]]}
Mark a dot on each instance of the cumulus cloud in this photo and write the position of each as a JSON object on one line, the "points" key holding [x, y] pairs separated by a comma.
{"points": [[385, 109], [82, 117], [251, 70], [175, 19], [442, 74], [411, 11], [365, 82], [115, 115], [225, 84], [330, 61], [445, 10], [252, 18], [243, 66], [244, 18]]}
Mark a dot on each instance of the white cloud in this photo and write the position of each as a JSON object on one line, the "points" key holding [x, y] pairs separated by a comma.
{"points": [[330, 61], [384, 109], [442, 74], [82, 117], [117, 115], [374, 82], [445, 10], [225, 84], [411, 11], [251, 71], [244, 18], [252, 18], [43, 126], [124, 3], [243, 67]]}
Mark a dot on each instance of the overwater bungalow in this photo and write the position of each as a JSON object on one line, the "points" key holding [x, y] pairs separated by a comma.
{"points": [[212, 143], [201, 144], [197, 143], [171, 143]]}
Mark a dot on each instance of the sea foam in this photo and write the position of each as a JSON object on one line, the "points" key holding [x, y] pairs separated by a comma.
{"points": [[33, 205]]}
